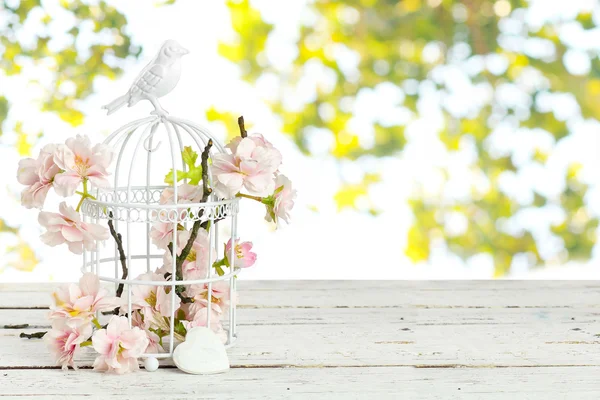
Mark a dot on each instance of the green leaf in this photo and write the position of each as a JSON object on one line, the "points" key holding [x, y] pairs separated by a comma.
{"points": [[179, 328], [189, 156], [194, 172]]}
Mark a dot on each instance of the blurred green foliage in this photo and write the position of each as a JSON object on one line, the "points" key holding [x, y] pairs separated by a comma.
{"points": [[72, 69], [390, 38], [69, 68]]}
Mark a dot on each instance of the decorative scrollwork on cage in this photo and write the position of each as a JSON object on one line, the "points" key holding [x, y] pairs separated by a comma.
{"points": [[153, 212]]}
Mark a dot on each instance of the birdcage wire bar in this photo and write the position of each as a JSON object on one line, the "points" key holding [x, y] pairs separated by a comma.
{"points": [[129, 204]]}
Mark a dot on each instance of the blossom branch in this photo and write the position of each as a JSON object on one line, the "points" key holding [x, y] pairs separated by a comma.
{"points": [[206, 191], [243, 132], [247, 196], [84, 195], [119, 241]]}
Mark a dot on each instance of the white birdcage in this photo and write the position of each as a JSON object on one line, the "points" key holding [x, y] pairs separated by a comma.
{"points": [[132, 206]]}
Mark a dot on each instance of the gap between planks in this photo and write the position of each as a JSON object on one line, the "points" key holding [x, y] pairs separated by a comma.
{"points": [[319, 366]]}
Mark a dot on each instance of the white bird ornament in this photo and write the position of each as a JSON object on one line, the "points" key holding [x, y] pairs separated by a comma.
{"points": [[157, 79]]}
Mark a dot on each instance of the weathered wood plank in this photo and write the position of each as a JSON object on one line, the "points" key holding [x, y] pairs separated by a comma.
{"points": [[383, 294], [573, 318], [534, 344], [336, 383]]}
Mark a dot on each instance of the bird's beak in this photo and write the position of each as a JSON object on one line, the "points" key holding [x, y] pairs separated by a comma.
{"points": [[184, 51]]}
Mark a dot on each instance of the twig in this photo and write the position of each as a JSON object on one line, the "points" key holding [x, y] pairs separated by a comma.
{"points": [[37, 335], [243, 132], [206, 191], [18, 326], [119, 240]]}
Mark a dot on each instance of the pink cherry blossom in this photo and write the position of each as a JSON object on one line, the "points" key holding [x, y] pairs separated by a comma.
{"points": [[186, 193], [220, 296], [196, 263], [154, 345], [80, 161], [119, 346], [257, 138], [282, 202], [198, 314], [77, 303], [38, 175], [144, 296], [152, 300], [137, 319], [164, 301], [250, 167], [243, 256], [161, 234], [68, 228], [64, 341], [199, 317]]}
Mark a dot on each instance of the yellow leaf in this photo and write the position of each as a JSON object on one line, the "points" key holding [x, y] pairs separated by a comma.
{"points": [[345, 144], [411, 5], [27, 261], [22, 144], [593, 87], [72, 116], [417, 248], [348, 194], [228, 119]]}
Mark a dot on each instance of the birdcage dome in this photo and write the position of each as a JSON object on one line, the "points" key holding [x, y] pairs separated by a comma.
{"points": [[135, 195]]}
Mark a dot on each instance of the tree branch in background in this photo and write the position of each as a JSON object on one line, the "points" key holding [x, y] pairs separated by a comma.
{"points": [[206, 191], [477, 34], [243, 132]]}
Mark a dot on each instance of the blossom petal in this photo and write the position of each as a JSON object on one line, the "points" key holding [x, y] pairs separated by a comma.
{"points": [[101, 341], [245, 148], [27, 171], [52, 238], [66, 183], [89, 284], [72, 234]]}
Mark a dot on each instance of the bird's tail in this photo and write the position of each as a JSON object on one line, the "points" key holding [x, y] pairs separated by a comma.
{"points": [[116, 104]]}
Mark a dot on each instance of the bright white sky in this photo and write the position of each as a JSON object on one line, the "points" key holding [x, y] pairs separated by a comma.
{"points": [[324, 245]]}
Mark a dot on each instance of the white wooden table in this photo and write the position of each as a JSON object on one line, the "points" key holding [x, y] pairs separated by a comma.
{"points": [[339, 339]]}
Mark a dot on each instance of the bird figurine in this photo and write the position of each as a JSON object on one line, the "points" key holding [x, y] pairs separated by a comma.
{"points": [[157, 79]]}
